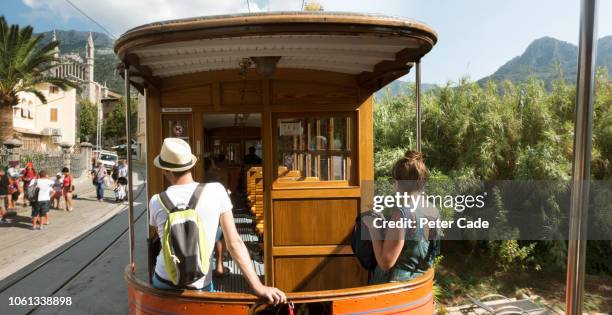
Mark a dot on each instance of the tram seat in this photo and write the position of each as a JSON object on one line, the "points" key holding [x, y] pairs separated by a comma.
{"points": [[255, 196], [284, 172]]}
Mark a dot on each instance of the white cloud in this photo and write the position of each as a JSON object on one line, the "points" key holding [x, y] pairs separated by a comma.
{"points": [[120, 15]]}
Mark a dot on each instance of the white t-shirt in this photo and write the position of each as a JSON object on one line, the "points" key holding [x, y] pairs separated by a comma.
{"points": [[213, 202], [45, 186]]}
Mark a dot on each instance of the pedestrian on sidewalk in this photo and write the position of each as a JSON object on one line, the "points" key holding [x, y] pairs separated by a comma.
{"points": [[13, 192], [57, 191], [4, 189], [41, 200], [115, 178], [122, 173], [99, 177], [27, 175], [67, 188]]}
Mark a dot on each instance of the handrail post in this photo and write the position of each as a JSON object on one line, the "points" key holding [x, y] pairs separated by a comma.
{"points": [[581, 168], [128, 148], [418, 105]]}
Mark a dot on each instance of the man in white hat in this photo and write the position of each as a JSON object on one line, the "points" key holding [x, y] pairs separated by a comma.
{"points": [[214, 207]]}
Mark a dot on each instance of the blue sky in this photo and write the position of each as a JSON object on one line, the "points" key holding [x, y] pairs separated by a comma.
{"points": [[475, 36]]}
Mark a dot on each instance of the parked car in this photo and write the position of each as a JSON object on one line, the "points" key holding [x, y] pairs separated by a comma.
{"points": [[108, 158]]}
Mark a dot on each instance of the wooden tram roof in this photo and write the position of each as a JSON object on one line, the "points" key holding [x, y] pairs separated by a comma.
{"points": [[376, 49]]}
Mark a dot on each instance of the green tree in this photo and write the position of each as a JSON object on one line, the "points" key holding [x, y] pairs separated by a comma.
{"points": [[24, 66], [87, 120], [114, 125]]}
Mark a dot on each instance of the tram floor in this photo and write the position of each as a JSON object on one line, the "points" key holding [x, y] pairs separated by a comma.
{"points": [[234, 281]]}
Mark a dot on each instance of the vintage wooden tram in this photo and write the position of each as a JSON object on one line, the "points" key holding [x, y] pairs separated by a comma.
{"points": [[296, 86]]}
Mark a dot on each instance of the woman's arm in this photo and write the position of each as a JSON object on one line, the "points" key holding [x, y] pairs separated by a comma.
{"points": [[388, 248], [240, 254]]}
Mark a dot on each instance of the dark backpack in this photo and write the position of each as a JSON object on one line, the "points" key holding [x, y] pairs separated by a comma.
{"points": [[361, 242], [33, 191]]}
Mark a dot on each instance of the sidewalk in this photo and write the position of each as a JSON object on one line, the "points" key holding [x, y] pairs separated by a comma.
{"points": [[20, 245]]}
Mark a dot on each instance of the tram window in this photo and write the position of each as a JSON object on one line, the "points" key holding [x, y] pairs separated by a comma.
{"points": [[314, 148]]}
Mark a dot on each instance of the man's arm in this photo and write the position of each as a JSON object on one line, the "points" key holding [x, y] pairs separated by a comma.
{"points": [[240, 254]]}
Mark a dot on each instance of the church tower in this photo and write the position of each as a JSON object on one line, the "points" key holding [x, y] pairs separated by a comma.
{"points": [[56, 50], [89, 75]]}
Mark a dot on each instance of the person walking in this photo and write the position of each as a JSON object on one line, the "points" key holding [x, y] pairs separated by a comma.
{"points": [[57, 191], [212, 205], [13, 192], [67, 188], [4, 191], [115, 177], [41, 200], [27, 175], [122, 174], [99, 177]]}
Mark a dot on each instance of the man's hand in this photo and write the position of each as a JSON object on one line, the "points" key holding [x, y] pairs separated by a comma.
{"points": [[271, 295]]}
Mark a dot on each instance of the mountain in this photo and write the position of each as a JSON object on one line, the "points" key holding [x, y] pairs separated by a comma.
{"points": [[542, 57], [398, 87], [105, 61], [75, 41]]}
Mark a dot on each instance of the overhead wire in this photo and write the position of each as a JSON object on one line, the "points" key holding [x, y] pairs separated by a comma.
{"points": [[91, 19]]}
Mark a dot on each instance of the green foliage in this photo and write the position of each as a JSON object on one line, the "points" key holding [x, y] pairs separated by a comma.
{"points": [[510, 255], [499, 131], [87, 120], [114, 125]]}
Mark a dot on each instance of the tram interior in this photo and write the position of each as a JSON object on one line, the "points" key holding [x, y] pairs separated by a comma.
{"points": [[233, 156]]}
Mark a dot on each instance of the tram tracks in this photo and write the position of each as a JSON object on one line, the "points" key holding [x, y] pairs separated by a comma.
{"points": [[56, 256]]}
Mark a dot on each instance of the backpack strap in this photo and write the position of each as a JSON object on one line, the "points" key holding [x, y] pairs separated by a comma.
{"points": [[193, 202], [166, 202]]}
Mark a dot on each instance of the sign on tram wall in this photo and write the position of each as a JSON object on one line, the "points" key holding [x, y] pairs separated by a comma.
{"points": [[176, 109]]}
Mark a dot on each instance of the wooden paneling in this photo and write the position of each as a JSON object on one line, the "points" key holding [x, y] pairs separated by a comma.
{"points": [[314, 221], [312, 250], [266, 136], [232, 93], [295, 274], [306, 229], [316, 193], [365, 138], [308, 93], [195, 96]]}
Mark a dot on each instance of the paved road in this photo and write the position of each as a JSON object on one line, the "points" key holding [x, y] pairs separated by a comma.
{"points": [[80, 255]]}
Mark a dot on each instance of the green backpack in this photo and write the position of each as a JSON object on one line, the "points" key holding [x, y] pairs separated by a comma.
{"points": [[184, 241]]}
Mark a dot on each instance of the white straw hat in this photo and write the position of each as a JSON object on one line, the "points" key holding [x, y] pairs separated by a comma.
{"points": [[175, 156]]}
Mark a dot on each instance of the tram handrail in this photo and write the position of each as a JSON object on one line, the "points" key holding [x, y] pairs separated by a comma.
{"points": [[296, 297]]}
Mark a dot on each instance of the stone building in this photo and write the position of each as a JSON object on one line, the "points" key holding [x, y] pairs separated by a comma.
{"points": [[44, 126]]}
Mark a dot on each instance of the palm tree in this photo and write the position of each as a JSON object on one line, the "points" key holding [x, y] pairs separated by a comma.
{"points": [[24, 65]]}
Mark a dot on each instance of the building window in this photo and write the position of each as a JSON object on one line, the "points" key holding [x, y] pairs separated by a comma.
{"points": [[314, 148], [53, 115]]}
